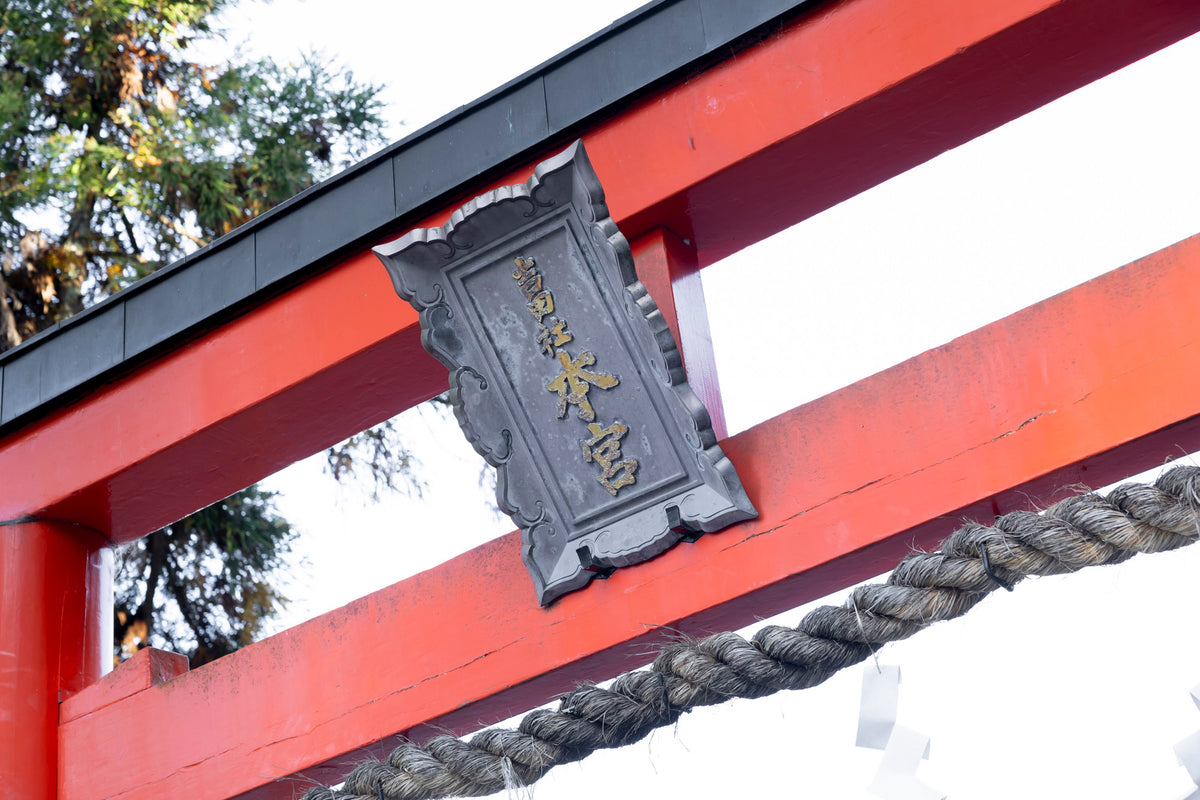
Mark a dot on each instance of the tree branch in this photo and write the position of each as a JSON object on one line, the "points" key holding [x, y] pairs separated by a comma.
{"points": [[157, 544], [9, 336], [134, 247], [175, 225]]}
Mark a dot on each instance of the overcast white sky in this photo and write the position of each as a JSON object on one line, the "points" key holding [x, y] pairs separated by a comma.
{"points": [[1069, 687]]}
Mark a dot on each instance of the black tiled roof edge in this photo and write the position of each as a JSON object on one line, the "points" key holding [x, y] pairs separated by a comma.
{"points": [[539, 109]]}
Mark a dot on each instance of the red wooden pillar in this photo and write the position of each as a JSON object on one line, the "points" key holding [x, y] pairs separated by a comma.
{"points": [[667, 266], [55, 629]]}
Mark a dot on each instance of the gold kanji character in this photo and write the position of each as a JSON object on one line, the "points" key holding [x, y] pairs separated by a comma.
{"points": [[552, 335], [541, 304], [524, 268], [574, 382], [531, 285], [604, 448]]}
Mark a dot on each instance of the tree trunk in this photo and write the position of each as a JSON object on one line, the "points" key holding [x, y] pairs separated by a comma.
{"points": [[9, 337]]}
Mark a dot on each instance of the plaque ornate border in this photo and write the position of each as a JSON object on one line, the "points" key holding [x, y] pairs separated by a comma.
{"points": [[562, 556]]}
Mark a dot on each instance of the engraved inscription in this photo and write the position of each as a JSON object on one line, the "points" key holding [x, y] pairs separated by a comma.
{"points": [[554, 336], [604, 456], [575, 381], [604, 448]]}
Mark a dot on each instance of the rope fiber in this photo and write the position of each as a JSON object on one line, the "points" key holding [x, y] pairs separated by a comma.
{"points": [[1087, 530]]}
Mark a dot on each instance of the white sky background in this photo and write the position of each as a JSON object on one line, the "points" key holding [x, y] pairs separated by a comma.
{"points": [[1068, 687]]}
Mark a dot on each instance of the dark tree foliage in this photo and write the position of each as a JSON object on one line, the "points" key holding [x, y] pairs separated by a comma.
{"points": [[119, 153], [215, 572]]}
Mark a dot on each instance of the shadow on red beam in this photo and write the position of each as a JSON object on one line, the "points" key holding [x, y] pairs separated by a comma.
{"points": [[1100, 381], [850, 96], [301, 372], [334, 356]]}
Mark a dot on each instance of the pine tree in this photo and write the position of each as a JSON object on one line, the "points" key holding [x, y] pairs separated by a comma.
{"points": [[119, 153]]}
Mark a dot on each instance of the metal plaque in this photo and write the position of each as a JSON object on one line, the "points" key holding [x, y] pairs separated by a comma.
{"points": [[565, 378]]}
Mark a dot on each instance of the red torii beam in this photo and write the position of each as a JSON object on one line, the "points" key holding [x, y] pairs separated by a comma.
{"points": [[973, 428], [837, 102], [893, 86]]}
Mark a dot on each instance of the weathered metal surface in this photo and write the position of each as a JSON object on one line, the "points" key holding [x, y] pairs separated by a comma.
{"points": [[564, 377]]}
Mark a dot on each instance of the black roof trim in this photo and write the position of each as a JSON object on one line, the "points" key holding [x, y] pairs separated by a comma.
{"points": [[377, 196]]}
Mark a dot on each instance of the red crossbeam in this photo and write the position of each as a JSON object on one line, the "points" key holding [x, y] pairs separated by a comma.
{"points": [[841, 99], [1094, 383], [848, 96]]}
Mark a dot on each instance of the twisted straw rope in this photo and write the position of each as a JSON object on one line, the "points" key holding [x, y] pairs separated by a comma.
{"points": [[974, 561]]}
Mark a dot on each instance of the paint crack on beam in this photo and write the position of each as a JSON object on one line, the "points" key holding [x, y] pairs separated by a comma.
{"points": [[784, 523], [400, 691], [887, 480], [1017, 429], [149, 787], [975, 447], [349, 712]]}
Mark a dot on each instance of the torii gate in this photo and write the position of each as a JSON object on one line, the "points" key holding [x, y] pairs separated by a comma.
{"points": [[712, 126]]}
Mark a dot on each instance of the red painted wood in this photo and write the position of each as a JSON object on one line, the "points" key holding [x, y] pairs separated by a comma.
{"points": [[147, 667], [238, 404], [55, 600], [840, 100], [996, 419], [850, 96], [667, 267]]}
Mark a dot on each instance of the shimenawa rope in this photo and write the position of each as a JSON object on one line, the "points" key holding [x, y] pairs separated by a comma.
{"points": [[974, 561]]}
